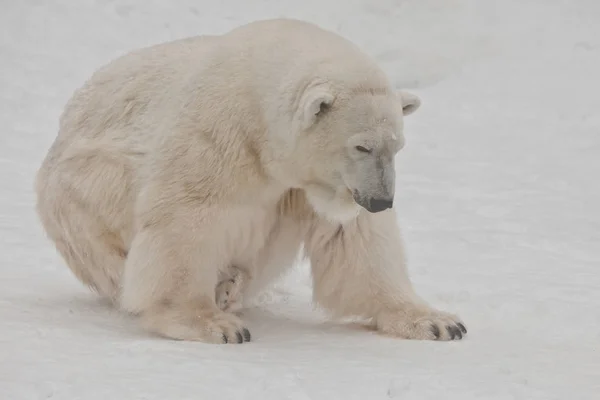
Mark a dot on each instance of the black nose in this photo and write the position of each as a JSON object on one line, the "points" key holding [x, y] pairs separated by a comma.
{"points": [[377, 205]]}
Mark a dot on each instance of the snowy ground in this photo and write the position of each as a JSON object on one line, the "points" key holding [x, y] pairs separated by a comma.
{"points": [[498, 193]]}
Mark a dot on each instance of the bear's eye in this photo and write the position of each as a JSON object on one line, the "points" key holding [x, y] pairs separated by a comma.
{"points": [[363, 149], [323, 108]]}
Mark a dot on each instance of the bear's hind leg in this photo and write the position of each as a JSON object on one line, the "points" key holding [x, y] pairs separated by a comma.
{"points": [[95, 256], [81, 201]]}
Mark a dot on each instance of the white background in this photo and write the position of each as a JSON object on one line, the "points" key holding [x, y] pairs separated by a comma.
{"points": [[498, 194]]}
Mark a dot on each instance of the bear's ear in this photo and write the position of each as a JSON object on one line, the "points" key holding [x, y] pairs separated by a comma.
{"points": [[409, 102], [315, 103]]}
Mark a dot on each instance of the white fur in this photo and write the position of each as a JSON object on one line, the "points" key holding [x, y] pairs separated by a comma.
{"points": [[177, 163]]}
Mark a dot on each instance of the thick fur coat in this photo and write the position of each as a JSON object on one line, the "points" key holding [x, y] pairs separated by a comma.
{"points": [[188, 175]]}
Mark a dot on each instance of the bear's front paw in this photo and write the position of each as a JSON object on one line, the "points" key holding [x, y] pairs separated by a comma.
{"points": [[421, 325], [196, 322], [226, 328]]}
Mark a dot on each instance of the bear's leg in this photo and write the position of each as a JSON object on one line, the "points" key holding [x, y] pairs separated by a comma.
{"points": [[95, 255], [171, 273], [359, 270], [82, 204]]}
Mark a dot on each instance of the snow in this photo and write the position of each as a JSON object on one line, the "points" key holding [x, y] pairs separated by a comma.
{"points": [[498, 196]]}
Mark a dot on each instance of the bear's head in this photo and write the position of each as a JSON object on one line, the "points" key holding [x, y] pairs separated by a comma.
{"points": [[345, 143]]}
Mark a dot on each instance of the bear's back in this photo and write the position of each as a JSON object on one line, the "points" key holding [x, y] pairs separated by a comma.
{"points": [[122, 92]]}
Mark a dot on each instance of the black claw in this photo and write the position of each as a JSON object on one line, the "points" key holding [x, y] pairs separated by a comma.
{"points": [[247, 336], [240, 339], [458, 333], [436, 331], [225, 339], [462, 327], [451, 331]]}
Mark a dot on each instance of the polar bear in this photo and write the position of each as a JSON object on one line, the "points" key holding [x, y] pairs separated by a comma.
{"points": [[176, 163]]}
